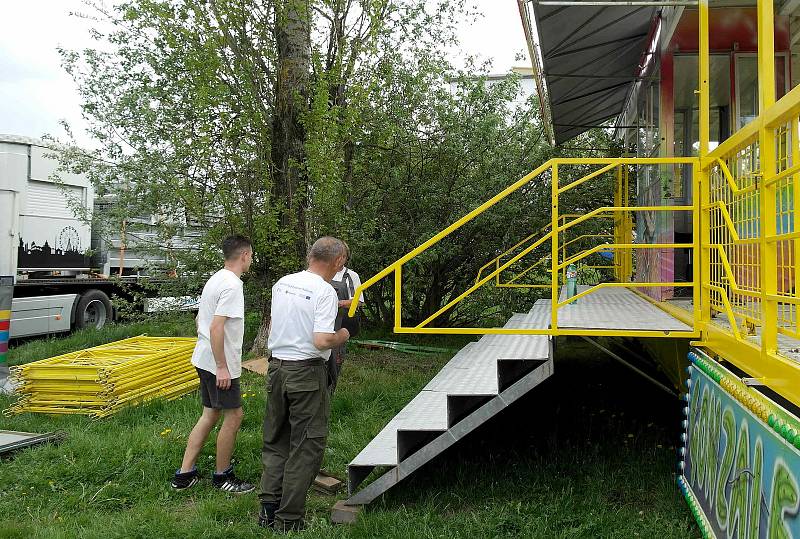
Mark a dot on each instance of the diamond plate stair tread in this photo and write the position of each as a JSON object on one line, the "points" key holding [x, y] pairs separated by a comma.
{"points": [[615, 308], [537, 318], [514, 346], [472, 371], [426, 411]]}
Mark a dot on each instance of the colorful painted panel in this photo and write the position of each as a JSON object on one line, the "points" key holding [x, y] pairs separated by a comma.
{"points": [[6, 291], [741, 473]]}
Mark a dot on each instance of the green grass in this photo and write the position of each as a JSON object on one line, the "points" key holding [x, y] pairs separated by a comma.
{"points": [[590, 453]]}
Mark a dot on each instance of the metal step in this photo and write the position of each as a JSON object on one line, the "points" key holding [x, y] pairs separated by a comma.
{"points": [[482, 379]]}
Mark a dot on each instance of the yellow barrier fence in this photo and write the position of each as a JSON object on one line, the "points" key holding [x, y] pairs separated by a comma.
{"points": [[102, 380]]}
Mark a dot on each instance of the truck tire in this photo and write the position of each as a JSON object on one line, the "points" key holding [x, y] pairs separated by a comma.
{"points": [[94, 310]]}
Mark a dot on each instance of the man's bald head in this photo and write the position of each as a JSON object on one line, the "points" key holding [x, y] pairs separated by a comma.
{"points": [[327, 250]]}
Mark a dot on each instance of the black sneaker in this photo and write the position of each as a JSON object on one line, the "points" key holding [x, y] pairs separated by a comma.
{"points": [[266, 517], [228, 482], [182, 481]]}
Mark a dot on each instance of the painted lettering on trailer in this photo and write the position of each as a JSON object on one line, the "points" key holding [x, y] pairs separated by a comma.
{"points": [[744, 475]]}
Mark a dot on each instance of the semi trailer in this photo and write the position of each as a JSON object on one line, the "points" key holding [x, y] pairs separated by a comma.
{"points": [[63, 272]]}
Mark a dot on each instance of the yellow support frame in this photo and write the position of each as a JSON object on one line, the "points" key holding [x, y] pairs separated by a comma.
{"points": [[558, 225]]}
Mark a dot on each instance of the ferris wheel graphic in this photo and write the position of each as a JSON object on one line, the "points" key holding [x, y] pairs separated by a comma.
{"points": [[68, 240]]}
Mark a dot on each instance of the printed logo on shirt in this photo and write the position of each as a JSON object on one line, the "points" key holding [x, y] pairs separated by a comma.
{"points": [[298, 291]]}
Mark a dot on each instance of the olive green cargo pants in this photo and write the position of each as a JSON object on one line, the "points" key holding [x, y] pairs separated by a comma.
{"points": [[295, 432]]}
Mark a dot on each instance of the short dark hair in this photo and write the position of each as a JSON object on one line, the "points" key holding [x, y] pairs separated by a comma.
{"points": [[232, 246]]}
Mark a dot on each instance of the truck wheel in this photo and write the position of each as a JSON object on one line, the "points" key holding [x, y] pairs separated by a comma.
{"points": [[94, 310]]}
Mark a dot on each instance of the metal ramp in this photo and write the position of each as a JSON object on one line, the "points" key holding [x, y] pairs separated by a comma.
{"points": [[482, 379]]}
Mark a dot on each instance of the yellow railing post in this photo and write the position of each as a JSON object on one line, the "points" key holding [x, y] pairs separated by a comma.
{"points": [[700, 177], [398, 296], [703, 76], [554, 289], [697, 253], [766, 141], [627, 227], [795, 153], [618, 218]]}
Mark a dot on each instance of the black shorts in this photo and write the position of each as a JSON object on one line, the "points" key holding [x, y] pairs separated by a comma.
{"points": [[213, 397]]}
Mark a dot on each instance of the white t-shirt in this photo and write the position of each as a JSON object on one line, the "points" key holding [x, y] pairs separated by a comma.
{"points": [[223, 295], [302, 304], [356, 282]]}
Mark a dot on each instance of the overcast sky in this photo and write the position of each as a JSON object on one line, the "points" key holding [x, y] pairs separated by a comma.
{"points": [[35, 92]]}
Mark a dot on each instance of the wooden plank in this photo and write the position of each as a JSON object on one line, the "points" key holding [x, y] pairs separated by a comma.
{"points": [[344, 514], [327, 484], [258, 365]]}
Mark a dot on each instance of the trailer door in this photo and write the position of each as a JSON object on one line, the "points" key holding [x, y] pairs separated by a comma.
{"points": [[9, 216]]}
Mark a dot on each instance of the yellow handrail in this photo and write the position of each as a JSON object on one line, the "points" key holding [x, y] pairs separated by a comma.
{"points": [[607, 209], [531, 236], [480, 283], [586, 178], [731, 182], [620, 285], [587, 252], [559, 224], [446, 232], [500, 256], [522, 274]]}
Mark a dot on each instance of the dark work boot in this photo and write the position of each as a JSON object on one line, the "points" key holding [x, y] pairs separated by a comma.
{"points": [[266, 517]]}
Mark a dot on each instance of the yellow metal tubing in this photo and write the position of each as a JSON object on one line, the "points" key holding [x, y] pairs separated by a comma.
{"points": [[493, 262], [398, 295], [559, 332], [483, 281], [446, 232], [586, 178], [588, 252], [523, 273], [735, 189], [517, 285], [703, 76], [619, 285], [625, 160], [728, 308], [555, 230], [766, 142], [608, 209]]}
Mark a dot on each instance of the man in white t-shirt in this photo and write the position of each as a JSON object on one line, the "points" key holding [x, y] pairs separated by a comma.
{"points": [[302, 318], [218, 359]]}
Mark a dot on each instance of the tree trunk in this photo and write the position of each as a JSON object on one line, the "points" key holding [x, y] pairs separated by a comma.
{"points": [[292, 37]]}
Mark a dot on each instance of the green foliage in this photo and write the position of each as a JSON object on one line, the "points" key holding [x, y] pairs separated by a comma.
{"points": [[180, 97], [596, 464]]}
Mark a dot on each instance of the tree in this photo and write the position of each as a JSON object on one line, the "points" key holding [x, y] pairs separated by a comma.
{"points": [[288, 120]]}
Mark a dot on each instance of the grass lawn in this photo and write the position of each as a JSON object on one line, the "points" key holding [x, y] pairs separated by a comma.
{"points": [[590, 453]]}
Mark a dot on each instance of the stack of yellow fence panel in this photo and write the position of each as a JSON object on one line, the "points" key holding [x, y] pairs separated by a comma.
{"points": [[102, 380]]}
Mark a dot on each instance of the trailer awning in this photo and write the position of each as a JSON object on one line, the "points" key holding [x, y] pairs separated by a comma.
{"points": [[591, 56]]}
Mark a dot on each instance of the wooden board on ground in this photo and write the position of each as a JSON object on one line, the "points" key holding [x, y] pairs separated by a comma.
{"points": [[257, 365], [344, 514], [327, 484]]}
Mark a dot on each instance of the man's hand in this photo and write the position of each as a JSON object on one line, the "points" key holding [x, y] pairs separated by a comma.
{"points": [[223, 378], [345, 303], [325, 341]]}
